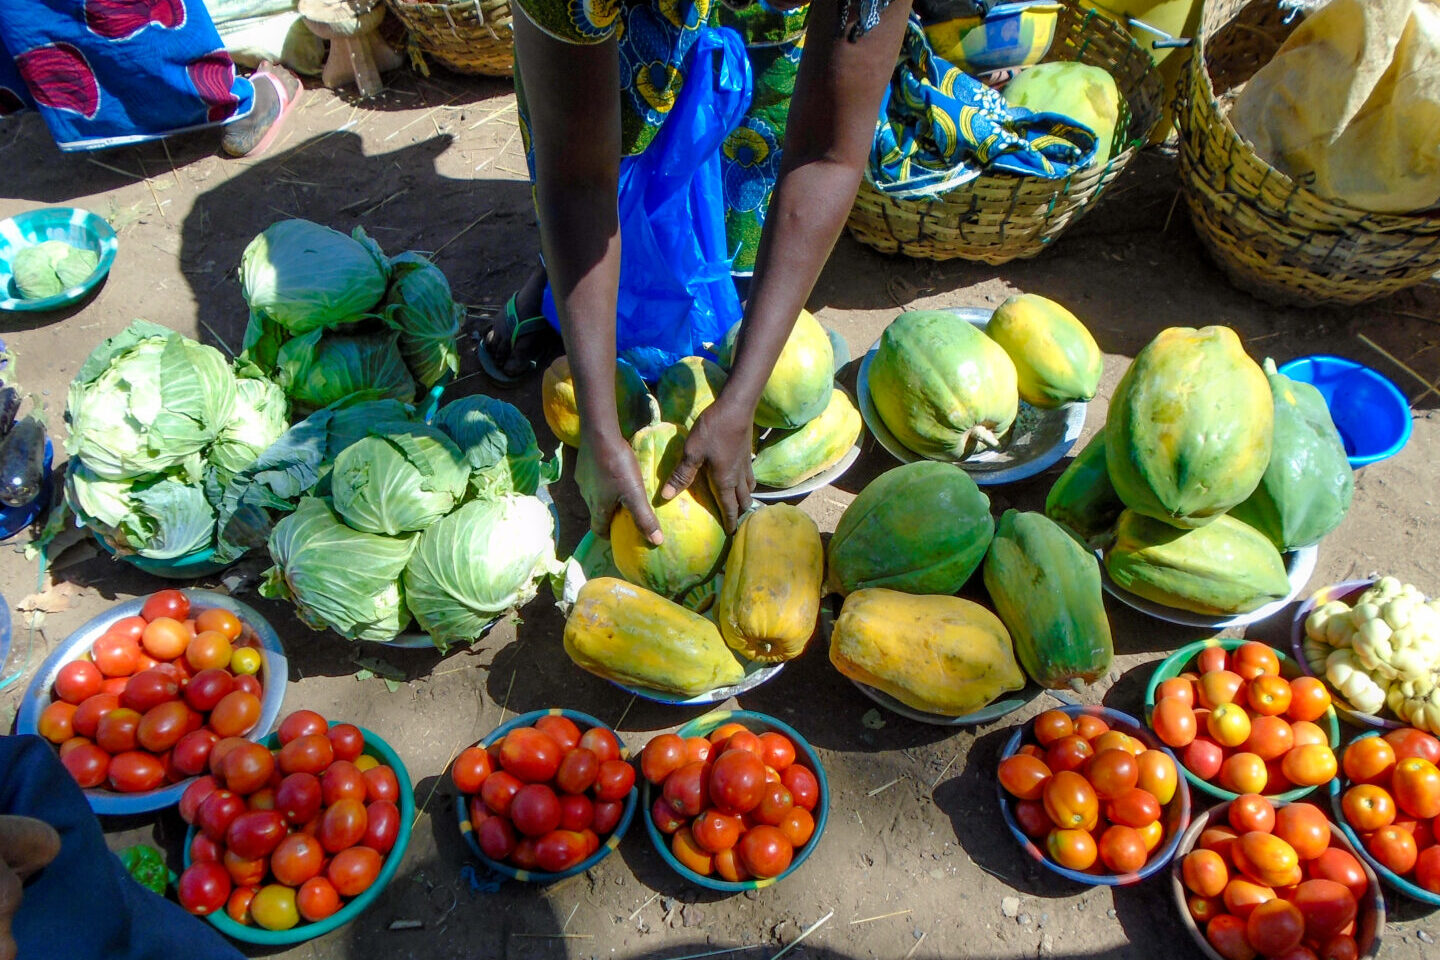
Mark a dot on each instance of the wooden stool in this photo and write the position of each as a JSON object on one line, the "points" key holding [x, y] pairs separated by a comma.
{"points": [[357, 53]]}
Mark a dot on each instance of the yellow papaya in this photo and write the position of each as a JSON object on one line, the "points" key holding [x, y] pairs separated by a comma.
{"points": [[770, 595], [633, 402], [1056, 359], [800, 382], [686, 388]]}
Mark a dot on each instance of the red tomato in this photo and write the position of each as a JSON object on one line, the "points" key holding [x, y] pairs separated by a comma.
{"points": [[560, 850], [1204, 873], [496, 837], [1407, 741], [317, 899], [347, 741], [697, 749], [743, 740], [116, 656], [577, 812], [163, 725], [498, 791], [263, 799], [308, 753], [1211, 659], [687, 789], [1068, 753], [87, 764], [1305, 828], [219, 620], [736, 782], [381, 784], [1254, 659], [203, 848], [255, 833], [1327, 907], [560, 729], [1033, 820], [470, 769], [1368, 807], [1071, 802], [114, 686], [1024, 777], [116, 731], [666, 820], [1112, 773], [204, 887], [216, 812], [802, 785], [342, 780], [775, 803], [765, 851], [535, 810], [1340, 947], [236, 714], [191, 755], [148, 689], [298, 797], [1342, 867], [353, 870], [246, 768], [57, 721], [135, 771], [208, 650], [197, 791], [77, 681], [1416, 785], [1393, 847], [130, 628], [237, 908], [166, 603], [662, 756], [1053, 725], [1226, 934], [1122, 849], [86, 718], [798, 826], [299, 724], [776, 751], [529, 755], [714, 831], [601, 742], [577, 771], [207, 688], [1427, 869], [614, 781], [607, 815], [1252, 812], [382, 826], [342, 825], [1174, 722], [244, 873]]}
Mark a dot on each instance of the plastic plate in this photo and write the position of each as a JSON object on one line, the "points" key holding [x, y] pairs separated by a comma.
{"points": [[1299, 565], [1177, 662], [756, 723], [1176, 813], [274, 673], [1347, 591], [1037, 441], [79, 228], [381, 751]]}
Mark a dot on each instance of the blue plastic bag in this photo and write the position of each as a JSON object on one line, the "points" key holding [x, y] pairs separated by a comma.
{"points": [[676, 295]]}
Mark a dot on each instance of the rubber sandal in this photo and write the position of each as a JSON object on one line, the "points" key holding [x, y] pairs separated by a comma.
{"points": [[287, 103], [518, 328]]}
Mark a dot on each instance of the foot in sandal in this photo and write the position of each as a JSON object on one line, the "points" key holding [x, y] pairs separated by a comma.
{"points": [[277, 91], [521, 340]]}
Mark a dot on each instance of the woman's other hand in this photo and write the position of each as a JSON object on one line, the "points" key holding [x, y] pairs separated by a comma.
{"points": [[719, 443], [609, 478]]}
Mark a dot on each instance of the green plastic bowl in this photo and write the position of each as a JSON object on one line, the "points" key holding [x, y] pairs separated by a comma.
{"points": [[1175, 664], [201, 563], [380, 750], [755, 723]]}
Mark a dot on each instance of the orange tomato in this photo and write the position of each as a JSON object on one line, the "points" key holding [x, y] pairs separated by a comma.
{"points": [[1024, 776], [1227, 935], [1243, 773], [1275, 779], [1266, 858], [1220, 838], [1071, 802], [1369, 760], [1074, 849], [1427, 869], [1134, 808], [1204, 873], [1394, 849], [1032, 750], [1152, 833], [1270, 737], [1268, 695], [1115, 740], [1275, 927], [1176, 688], [725, 731], [1219, 687], [1122, 849], [1310, 765], [1228, 724], [1304, 827], [1416, 786], [1052, 725], [1211, 659], [729, 867], [690, 853], [1242, 896], [1343, 867], [1112, 772], [1308, 699], [1254, 659], [1068, 753], [1090, 726], [1173, 722], [1339, 947], [1303, 732], [1368, 807], [1158, 775], [1252, 812]]}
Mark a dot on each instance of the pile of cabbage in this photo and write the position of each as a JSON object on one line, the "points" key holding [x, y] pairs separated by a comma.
{"points": [[333, 319], [393, 518], [158, 426]]}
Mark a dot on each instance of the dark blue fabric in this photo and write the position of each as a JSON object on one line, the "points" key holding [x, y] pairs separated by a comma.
{"points": [[108, 72], [84, 906]]}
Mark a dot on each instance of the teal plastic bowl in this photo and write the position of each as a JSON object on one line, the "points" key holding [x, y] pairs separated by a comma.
{"points": [[1370, 412], [1176, 664], [380, 750], [467, 829], [77, 227], [755, 723], [201, 563]]}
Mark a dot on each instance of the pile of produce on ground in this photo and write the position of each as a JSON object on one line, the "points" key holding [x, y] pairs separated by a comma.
{"points": [[948, 389], [1208, 468], [544, 797], [1384, 651], [293, 835], [1238, 723], [22, 444], [154, 696], [1392, 801]]}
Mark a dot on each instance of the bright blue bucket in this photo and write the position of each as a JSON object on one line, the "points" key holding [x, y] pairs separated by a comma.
{"points": [[1370, 412]]}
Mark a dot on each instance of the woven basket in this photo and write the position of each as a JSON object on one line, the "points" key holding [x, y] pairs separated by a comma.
{"points": [[467, 36], [1271, 236], [999, 217]]}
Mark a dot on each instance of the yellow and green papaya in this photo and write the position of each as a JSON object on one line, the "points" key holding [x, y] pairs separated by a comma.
{"points": [[1056, 359], [1082, 500], [797, 455], [801, 380], [686, 388]]}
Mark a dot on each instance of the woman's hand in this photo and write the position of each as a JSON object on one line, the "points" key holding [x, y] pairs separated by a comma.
{"points": [[720, 444], [609, 478]]}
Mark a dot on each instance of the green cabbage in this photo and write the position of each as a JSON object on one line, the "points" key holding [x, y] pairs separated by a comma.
{"points": [[404, 477], [338, 577], [261, 416], [478, 562], [50, 268], [146, 400], [498, 443], [305, 276], [161, 517], [316, 371], [420, 307]]}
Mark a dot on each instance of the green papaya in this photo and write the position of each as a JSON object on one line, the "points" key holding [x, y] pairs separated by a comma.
{"points": [[1307, 487], [686, 388], [1224, 567], [797, 455], [1056, 359], [921, 528], [1190, 427], [1082, 500], [941, 386], [1046, 588], [800, 382]]}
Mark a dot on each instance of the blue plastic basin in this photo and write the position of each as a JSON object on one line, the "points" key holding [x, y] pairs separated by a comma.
{"points": [[1370, 412]]}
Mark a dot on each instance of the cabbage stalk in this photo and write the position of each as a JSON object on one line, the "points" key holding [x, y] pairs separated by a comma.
{"points": [[403, 477], [498, 443], [305, 276], [261, 416], [420, 306]]}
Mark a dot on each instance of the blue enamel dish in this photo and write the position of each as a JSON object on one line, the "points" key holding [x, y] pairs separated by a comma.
{"points": [[77, 227]]}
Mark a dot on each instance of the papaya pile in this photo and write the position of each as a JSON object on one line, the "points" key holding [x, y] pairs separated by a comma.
{"points": [[1208, 468]]}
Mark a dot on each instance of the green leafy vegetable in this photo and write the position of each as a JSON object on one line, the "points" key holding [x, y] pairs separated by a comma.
{"points": [[261, 415], [420, 307], [50, 268], [305, 276], [161, 517], [316, 371], [498, 443], [404, 477], [147, 866]]}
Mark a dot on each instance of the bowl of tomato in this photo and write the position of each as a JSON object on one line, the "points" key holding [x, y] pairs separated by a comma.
{"points": [[546, 795], [1242, 717], [1387, 803], [1109, 819], [282, 864], [1254, 876], [734, 800], [136, 697]]}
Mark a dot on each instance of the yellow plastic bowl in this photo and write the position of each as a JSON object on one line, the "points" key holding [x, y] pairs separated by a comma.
{"points": [[1013, 35]]}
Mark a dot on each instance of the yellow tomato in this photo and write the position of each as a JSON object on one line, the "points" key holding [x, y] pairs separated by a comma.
{"points": [[245, 660], [1158, 775], [274, 907], [1229, 724]]}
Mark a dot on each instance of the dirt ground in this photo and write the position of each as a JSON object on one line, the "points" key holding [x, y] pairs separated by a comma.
{"points": [[915, 861]]}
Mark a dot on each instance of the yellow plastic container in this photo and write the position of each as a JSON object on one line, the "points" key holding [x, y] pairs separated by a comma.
{"points": [[1013, 35]]}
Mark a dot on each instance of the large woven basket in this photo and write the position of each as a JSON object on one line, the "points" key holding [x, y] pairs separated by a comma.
{"points": [[467, 36], [999, 217], [1273, 237]]}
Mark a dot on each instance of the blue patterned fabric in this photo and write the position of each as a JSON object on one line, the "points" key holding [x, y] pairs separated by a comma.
{"points": [[939, 127], [109, 72]]}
